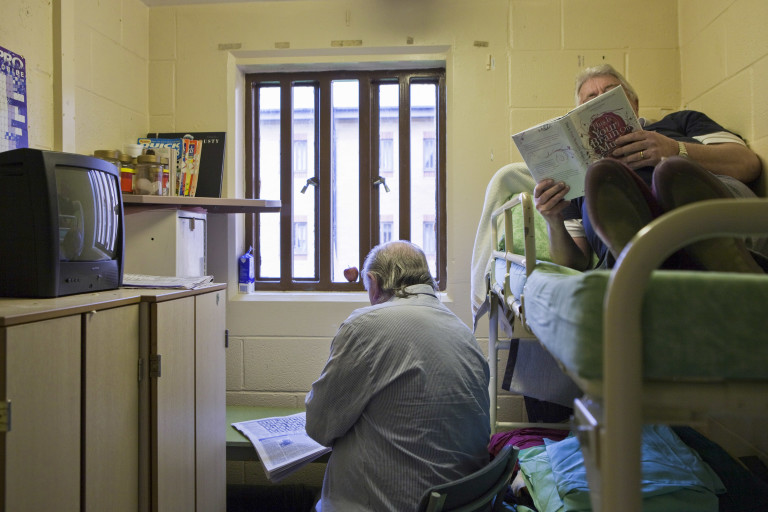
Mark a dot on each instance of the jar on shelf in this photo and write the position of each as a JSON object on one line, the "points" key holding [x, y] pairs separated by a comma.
{"points": [[110, 155], [127, 173], [148, 179]]}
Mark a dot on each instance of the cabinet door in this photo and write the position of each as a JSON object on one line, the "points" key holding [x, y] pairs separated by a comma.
{"points": [[172, 338], [111, 413], [41, 367], [210, 397]]}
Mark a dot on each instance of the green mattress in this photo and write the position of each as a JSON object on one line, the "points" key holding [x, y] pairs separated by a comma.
{"points": [[697, 326]]}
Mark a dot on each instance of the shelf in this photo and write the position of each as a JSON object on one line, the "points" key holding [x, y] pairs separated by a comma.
{"points": [[210, 204]]}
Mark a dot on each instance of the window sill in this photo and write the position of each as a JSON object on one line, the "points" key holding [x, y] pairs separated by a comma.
{"points": [[358, 298]]}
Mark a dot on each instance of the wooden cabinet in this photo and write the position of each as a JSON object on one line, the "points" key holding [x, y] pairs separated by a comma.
{"points": [[41, 375], [97, 421], [111, 409]]}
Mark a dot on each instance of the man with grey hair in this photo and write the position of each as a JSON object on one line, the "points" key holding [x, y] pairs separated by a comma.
{"points": [[403, 398], [684, 157]]}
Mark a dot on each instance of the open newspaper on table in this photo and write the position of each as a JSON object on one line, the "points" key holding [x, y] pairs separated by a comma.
{"points": [[282, 443]]}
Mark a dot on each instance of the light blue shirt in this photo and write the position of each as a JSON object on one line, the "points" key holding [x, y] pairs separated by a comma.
{"points": [[403, 401]]}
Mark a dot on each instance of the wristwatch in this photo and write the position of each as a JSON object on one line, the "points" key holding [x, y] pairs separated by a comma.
{"points": [[681, 151]]}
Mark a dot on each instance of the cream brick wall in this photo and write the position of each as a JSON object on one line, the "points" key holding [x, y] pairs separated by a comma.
{"points": [[110, 88], [86, 61], [724, 55]]}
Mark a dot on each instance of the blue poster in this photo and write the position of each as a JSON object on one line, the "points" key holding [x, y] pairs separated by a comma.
{"points": [[13, 103]]}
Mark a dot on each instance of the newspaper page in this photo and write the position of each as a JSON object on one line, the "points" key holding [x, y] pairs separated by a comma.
{"points": [[562, 148], [282, 443], [149, 281]]}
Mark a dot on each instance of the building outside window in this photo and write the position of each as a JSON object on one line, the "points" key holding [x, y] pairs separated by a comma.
{"points": [[300, 238], [346, 153], [385, 231], [429, 240], [300, 155], [386, 154], [429, 153]]}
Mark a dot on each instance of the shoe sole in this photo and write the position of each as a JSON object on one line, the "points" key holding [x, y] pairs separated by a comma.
{"points": [[618, 203], [679, 181]]}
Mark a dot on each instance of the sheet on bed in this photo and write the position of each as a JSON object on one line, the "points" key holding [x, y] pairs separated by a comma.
{"points": [[674, 476], [508, 181], [564, 308]]}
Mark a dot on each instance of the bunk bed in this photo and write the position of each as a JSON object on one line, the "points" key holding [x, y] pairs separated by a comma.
{"points": [[645, 346]]}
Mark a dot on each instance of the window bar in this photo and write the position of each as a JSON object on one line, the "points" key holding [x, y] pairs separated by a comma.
{"points": [[442, 244], [405, 157], [369, 136], [324, 128], [251, 157], [286, 183]]}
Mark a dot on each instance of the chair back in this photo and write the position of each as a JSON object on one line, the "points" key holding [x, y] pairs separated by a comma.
{"points": [[483, 490]]}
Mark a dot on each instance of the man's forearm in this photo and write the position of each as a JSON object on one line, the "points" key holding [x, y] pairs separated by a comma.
{"points": [[727, 158], [565, 250]]}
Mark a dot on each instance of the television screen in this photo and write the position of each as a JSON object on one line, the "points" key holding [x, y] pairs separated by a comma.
{"points": [[88, 209]]}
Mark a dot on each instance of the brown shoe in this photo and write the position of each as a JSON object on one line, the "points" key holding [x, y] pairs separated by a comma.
{"points": [[618, 203], [679, 181]]}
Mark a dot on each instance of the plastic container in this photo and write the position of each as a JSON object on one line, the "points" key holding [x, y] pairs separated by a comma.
{"points": [[133, 149], [127, 173], [246, 274], [148, 179]]}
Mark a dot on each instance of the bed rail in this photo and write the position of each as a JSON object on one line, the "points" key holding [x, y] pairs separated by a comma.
{"points": [[622, 417], [515, 304]]}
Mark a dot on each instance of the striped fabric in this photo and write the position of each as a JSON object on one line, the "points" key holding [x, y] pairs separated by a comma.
{"points": [[403, 400]]}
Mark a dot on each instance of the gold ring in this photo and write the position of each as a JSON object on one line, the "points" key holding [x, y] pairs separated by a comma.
{"points": [[641, 155]]}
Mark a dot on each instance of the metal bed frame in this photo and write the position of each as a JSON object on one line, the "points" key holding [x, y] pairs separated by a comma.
{"points": [[609, 418]]}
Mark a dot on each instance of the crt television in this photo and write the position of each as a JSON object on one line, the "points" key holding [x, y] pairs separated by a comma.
{"points": [[61, 224]]}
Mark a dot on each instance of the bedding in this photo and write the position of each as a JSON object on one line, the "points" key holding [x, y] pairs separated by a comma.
{"points": [[674, 476], [564, 308]]}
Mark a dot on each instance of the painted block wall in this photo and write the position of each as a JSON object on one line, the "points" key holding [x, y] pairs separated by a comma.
{"points": [[87, 60]]}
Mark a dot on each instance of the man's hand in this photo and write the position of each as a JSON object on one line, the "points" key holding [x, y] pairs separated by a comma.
{"points": [[548, 197], [643, 149]]}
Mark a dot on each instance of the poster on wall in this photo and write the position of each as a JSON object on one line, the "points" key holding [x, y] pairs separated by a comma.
{"points": [[13, 103]]}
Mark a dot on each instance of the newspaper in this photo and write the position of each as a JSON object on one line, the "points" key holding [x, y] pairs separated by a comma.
{"points": [[282, 443], [562, 148], [147, 281]]}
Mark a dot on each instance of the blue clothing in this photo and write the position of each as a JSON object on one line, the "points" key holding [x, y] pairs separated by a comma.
{"points": [[674, 477], [686, 126], [403, 400]]}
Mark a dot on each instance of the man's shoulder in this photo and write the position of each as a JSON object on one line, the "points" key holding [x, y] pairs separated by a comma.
{"points": [[685, 125]]}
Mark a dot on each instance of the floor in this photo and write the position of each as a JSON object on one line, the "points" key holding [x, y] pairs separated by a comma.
{"points": [[273, 498]]}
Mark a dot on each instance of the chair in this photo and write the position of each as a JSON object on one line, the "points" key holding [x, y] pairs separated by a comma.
{"points": [[482, 490]]}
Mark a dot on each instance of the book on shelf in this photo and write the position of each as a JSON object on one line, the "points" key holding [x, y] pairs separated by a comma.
{"points": [[211, 164], [282, 443], [562, 148]]}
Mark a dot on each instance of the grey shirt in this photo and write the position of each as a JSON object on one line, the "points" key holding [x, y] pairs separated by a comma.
{"points": [[403, 401]]}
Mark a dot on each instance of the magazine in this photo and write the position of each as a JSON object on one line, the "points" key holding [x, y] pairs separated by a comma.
{"points": [[563, 148], [282, 443]]}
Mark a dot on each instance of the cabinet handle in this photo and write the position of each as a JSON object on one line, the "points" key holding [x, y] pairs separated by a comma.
{"points": [[155, 366], [5, 416]]}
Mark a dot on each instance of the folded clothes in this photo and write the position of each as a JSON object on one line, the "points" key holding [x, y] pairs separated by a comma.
{"points": [[525, 438], [674, 476]]}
